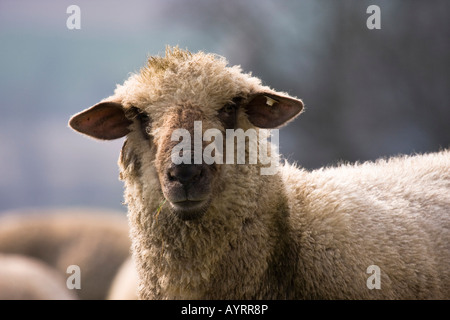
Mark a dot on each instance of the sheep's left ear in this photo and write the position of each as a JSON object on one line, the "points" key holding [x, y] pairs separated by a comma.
{"points": [[269, 110], [105, 120]]}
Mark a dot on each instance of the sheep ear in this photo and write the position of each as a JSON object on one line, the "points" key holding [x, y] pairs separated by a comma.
{"points": [[268, 110], [105, 120]]}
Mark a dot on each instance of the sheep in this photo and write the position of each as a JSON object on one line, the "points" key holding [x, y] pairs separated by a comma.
{"points": [[377, 230], [125, 284], [25, 278], [96, 241]]}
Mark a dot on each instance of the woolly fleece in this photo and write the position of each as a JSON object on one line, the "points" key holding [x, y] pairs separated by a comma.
{"points": [[292, 235]]}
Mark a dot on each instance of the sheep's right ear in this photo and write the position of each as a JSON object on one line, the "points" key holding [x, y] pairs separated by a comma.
{"points": [[105, 120]]}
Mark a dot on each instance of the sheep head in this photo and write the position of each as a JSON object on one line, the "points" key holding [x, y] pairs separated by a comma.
{"points": [[170, 99]]}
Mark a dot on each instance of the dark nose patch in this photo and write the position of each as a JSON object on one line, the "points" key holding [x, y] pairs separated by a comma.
{"points": [[185, 173]]}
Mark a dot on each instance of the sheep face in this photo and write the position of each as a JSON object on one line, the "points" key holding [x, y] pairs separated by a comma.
{"points": [[188, 186], [167, 112]]}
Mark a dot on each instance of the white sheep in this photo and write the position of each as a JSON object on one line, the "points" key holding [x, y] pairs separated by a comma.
{"points": [[25, 278], [226, 231], [96, 241], [125, 284]]}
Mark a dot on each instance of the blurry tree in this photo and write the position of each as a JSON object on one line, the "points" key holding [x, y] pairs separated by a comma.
{"points": [[369, 93]]}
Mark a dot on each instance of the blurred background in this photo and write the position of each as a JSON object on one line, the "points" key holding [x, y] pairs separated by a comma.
{"points": [[368, 93]]}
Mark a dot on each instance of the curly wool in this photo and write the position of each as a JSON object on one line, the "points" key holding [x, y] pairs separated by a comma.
{"points": [[292, 235]]}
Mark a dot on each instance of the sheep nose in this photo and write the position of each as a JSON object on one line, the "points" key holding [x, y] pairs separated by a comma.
{"points": [[185, 173]]}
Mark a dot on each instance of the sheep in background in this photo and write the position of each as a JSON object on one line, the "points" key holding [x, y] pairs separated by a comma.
{"points": [[96, 241], [25, 278], [225, 231], [125, 284]]}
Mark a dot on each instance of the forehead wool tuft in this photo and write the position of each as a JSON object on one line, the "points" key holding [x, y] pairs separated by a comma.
{"points": [[184, 78], [156, 64]]}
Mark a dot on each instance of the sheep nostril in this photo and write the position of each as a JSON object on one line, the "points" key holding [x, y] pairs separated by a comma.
{"points": [[170, 176], [185, 173]]}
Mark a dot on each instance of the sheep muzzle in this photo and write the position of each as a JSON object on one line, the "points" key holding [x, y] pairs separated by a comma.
{"points": [[188, 189]]}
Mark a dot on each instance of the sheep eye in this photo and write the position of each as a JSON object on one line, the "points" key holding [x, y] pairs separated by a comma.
{"points": [[229, 108], [144, 121], [228, 113], [142, 117]]}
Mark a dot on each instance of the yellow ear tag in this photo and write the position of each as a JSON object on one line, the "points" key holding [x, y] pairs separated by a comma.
{"points": [[270, 102]]}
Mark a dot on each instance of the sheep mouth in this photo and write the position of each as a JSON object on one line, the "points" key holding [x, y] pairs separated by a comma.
{"points": [[190, 209]]}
